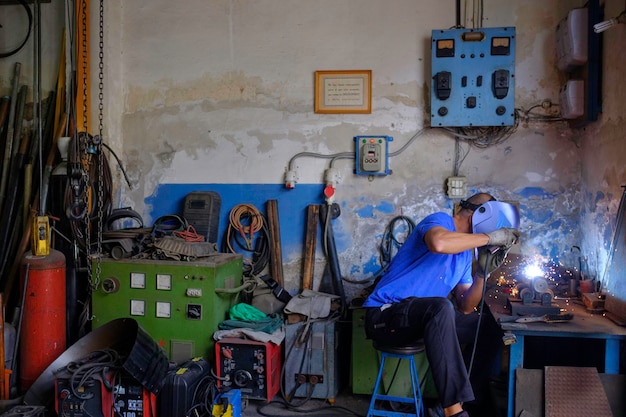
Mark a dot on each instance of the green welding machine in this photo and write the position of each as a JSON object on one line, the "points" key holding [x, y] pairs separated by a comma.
{"points": [[178, 303]]}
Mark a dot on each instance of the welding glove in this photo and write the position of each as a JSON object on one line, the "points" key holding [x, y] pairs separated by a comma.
{"points": [[489, 261], [504, 236]]}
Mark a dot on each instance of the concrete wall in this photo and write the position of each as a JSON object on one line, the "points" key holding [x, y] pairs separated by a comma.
{"points": [[218, 95], [222, 93]]}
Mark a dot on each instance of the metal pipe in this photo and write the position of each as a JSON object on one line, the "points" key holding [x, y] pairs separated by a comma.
{"points": [[10, 131], [38, 84]]}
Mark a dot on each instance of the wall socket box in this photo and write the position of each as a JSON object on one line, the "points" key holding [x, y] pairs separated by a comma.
{"points": [[372, 155], [456, 187]]}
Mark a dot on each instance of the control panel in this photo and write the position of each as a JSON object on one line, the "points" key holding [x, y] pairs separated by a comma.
{"points": [[96, 397], [179, 304], [473, 74], [251, 366], [372, 155]]}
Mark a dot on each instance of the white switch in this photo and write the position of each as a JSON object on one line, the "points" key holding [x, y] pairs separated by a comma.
{"points": [[194, 292], [457, 187]]}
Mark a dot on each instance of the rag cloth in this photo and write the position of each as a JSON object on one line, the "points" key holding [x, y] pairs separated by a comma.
{"points": [[245, 316], [276, 337], [313, 304]]}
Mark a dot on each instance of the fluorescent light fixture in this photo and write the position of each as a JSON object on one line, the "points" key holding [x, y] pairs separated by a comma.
{"points": [[607, 24]]}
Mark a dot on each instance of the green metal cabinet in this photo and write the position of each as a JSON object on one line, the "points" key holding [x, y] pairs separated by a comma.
{"points": [[366, 360], [179, 304]]}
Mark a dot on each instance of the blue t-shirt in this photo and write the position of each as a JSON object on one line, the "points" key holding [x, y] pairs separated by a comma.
{"points": [[415, 271]]}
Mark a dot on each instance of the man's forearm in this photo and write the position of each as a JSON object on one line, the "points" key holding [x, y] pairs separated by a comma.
{"points": [[471, 297]]}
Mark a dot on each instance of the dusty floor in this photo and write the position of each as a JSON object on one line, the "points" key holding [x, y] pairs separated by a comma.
{"points": [[348, 404]]}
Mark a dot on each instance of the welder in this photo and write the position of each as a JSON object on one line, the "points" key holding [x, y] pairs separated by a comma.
{"points": [[430, 291]]}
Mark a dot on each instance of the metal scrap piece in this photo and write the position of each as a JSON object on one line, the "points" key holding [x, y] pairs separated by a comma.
{"points": [[174, 247]]}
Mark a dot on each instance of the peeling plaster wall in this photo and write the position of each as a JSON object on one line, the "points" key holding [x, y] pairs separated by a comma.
{"points": [[603, 147], [221, 92]]}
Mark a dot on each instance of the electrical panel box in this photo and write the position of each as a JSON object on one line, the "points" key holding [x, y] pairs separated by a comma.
{"points": [[572, 99], [572, 40], [179, 304], [311, 367], [473, 77], [251, 366], [372, 155]]}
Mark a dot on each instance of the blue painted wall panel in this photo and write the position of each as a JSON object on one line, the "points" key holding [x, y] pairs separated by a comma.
{"points": [[292, 206]]}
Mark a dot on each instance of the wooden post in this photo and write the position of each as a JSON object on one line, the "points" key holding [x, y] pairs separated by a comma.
{"points": [[276, 256], [312, 219]]}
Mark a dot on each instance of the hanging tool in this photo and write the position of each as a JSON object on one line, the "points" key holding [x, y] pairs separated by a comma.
{"points": [[328, 212], [40, 244], [276, 258], [312, 217]]}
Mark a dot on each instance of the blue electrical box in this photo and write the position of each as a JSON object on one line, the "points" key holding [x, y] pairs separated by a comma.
{"points": [[473, 77], [372, 155]]}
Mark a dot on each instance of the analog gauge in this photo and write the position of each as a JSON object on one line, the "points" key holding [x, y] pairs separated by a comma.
{"points": [[137, 307], [137, 280], [163, 309], [164, 282]]}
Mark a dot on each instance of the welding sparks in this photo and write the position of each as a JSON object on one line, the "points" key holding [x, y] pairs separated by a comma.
{"points": [[533, 271]]}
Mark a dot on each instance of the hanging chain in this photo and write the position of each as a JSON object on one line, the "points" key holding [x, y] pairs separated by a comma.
{"points": [[83, 140], [100, 154], [84, 56]]}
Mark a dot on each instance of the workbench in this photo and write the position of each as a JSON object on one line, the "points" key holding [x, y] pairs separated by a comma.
{"points": [[584, 325]]}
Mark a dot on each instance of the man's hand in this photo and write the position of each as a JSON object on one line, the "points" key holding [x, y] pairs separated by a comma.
{"points": [[488, 261], [503, 237]]}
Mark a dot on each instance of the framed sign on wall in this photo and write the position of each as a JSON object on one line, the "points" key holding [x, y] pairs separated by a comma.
{"points": [[348, 91]]}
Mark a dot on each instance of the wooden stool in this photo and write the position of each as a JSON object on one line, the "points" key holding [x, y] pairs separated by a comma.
{"points": [[401, 353]]}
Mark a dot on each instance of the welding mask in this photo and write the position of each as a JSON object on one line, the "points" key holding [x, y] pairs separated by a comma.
{"points": [[494, 215]]}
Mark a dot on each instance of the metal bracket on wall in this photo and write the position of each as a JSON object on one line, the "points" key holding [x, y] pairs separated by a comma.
{"points": [[594, 90]]}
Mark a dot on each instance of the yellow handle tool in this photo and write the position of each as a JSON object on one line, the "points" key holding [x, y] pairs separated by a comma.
{"points": [[40, 245]]}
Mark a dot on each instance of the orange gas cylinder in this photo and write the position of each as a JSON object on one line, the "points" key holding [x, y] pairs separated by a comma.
{"points": [[43, 333]]}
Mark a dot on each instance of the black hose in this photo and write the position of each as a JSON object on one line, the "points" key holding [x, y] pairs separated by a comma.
{"points": [[30, 26], [326, 213]]}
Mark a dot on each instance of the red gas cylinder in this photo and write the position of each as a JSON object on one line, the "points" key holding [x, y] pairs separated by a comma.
{"points": [[43, 333]]}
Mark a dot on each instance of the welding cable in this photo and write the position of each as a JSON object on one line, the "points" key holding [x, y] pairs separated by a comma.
{"points": [[246, 221], [390, 243], [480, 312], [82, 197], [303, 334], [389, 246], [189, 234], [99, 362], [204, 396], [119, 164]]}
